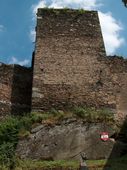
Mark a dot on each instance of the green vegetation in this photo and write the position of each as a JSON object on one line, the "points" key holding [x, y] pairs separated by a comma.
{"points": [[64, 10], [88, 114], [40, 165], [11, 130], [8, 140], [81, 11], [91, 114], [115, 164]]}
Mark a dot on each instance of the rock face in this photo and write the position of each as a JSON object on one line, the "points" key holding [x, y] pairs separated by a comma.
{"points": [[66, 140]]}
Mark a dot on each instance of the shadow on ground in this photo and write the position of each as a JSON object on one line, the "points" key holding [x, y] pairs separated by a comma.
{"points": [[118, 157]]}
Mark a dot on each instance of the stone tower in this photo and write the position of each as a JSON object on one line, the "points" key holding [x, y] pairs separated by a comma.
{"points": [[69, 45]]}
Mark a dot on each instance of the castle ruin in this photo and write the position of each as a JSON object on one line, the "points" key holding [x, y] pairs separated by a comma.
{"points": [[70, 67]]}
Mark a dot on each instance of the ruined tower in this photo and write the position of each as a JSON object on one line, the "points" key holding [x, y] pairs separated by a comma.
{"points": [[69, 45]]}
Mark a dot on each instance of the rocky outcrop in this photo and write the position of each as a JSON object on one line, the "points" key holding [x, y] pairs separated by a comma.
{"points": [[66, 139]]}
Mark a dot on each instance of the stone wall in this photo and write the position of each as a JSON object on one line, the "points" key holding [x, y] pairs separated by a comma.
{"points": [[21, 90], [67, 70], [15, 89], [118, 72], [6, 76]]}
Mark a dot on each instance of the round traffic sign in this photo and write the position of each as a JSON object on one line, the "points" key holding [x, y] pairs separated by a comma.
{"points": [[104, 136]]}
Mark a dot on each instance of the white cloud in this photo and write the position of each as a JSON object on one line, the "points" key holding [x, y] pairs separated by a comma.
{"points": [[24, 62], [1, 28], [111, 28], [32, 35], [111, 32], [40, 4], [86, 4]]}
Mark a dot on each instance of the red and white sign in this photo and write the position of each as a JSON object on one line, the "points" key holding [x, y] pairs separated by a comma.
{"points": [[104, 136]]}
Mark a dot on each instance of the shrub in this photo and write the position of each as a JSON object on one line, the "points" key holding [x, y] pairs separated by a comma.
{"points": [[9, 135], [54, 112], [9, 130], [25, 122], [7, 154], [92, 114], [81, 112], [81, 11]]}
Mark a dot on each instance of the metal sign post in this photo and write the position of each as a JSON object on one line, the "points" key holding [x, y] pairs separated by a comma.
{"points": [[83, 165]]}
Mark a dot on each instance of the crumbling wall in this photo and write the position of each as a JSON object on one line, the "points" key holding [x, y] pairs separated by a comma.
{"points": [[21, 90], [118, 70], [6, 76], [15, 89]]}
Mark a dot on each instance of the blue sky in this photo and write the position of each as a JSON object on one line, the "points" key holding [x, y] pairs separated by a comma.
{"points": [[17, 22]]}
